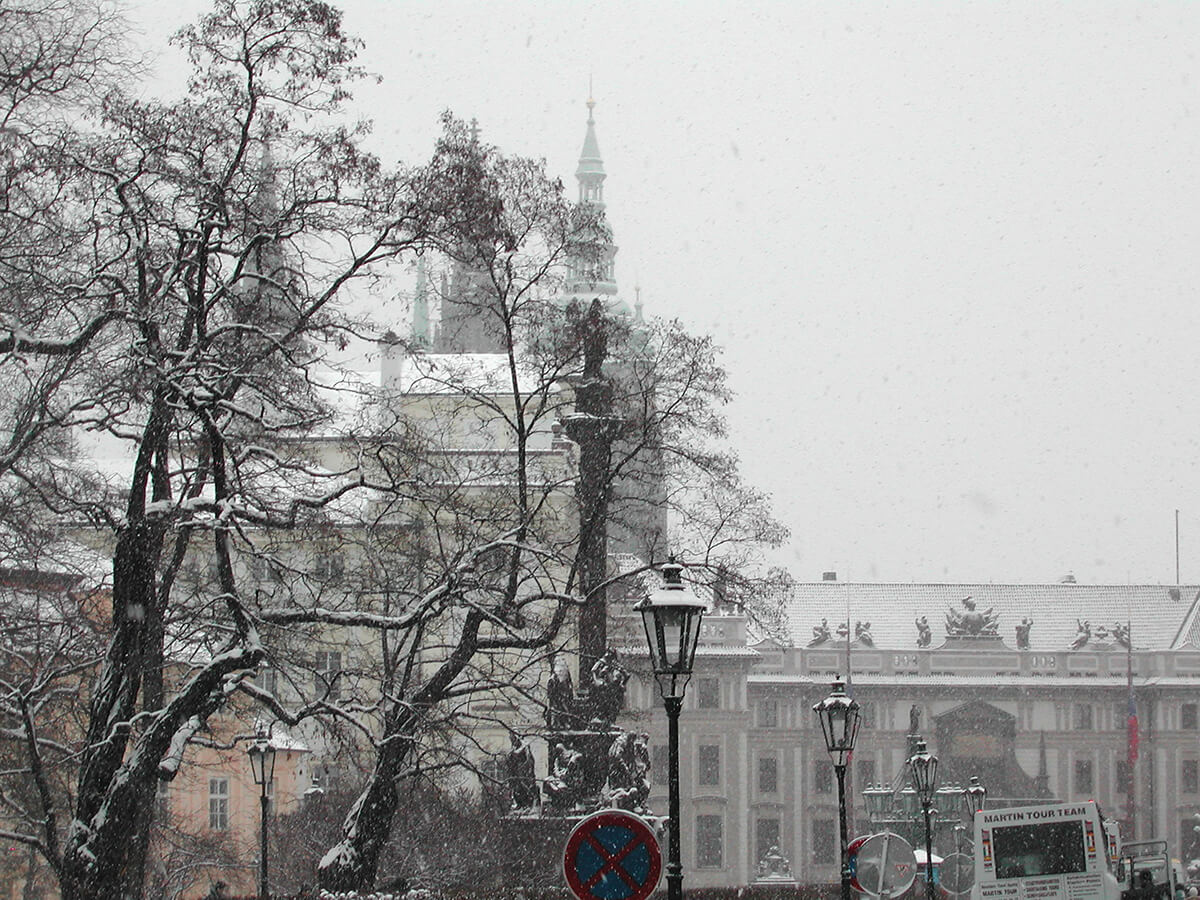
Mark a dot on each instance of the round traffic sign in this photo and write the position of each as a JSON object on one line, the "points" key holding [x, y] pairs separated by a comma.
{"points": [[612, 855], [884, 862], [956, 874]]}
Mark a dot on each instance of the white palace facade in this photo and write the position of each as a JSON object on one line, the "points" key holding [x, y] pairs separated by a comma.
{"points": [[1026, 686]]}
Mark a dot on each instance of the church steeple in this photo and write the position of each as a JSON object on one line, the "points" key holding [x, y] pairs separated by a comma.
{"points": [[591, 272], [590, 172]]}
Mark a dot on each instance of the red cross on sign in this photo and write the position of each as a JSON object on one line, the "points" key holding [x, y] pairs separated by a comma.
{"points": [[612, 855]]}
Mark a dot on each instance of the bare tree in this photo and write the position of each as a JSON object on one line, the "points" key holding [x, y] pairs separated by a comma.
{"points": [[175, 272], [176, 278], [472, 552]]}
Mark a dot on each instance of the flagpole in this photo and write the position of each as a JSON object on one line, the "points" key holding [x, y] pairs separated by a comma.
{"points": [[849, 693], [1131, 731]]}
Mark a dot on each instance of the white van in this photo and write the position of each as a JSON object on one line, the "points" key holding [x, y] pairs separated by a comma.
{"points": [[1053, 852]]}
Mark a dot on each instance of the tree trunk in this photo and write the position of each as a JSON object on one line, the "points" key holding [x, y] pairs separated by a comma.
{"points": [[97, 854], [353, 863]]}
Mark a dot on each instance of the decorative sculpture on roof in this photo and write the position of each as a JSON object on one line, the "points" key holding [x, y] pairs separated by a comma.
{"points": [[862, 633], [924, 632], [820, 633], [1082, 635], [518, 770], [1023, 633], [1120, 634], [1102, 637], [608, 687], [843, 630], [972, 622]]}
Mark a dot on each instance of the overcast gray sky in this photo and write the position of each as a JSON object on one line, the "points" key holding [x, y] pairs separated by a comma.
{"points": [[950, 249]]}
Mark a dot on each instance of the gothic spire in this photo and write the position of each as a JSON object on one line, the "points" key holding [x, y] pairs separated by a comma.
{"points": [[590, 172], [592, 268]]}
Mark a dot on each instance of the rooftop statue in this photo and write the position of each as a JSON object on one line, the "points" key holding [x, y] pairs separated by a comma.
{"points": [[862, 633], [972, 622], [1120, 634], [1083, 633], [820, 633], [1023, 633], [924, 632]]}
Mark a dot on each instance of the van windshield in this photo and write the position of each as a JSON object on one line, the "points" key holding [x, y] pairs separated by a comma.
{"points": [[1050, 848]]}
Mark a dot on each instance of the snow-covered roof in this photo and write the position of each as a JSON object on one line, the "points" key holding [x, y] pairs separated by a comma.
{"points": [[1162, 616], [57, 557], [348, 393], [455, 373]]}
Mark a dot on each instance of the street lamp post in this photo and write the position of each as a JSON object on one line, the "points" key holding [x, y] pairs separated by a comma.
{"points": [[923, 766], [671, 616], [262, 764], [838, 714], [974, 797]]}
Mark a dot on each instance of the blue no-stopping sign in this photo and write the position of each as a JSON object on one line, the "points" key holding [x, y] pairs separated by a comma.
{"points": [[612, 855]]}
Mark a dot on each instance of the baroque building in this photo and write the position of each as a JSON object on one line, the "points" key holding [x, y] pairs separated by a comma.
{"points": [[1027, 686]]}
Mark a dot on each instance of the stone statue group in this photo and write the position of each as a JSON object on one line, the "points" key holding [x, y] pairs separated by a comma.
{"points": [[590, 762]]}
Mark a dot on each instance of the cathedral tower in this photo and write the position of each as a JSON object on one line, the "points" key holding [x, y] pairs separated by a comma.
{"points": [[591, 269]]}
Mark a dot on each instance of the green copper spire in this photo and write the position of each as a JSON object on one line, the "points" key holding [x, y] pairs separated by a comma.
{"points": [[591, 167]]}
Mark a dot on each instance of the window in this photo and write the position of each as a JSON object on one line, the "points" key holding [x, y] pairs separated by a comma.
{"points": [[708, 693], [328, 665], [218, 804], [866, 714], [766, 836], [768, 775], [1081, 719], [768, 713], [1045, 848], [267, 678], [710, 764], [1187, 717], [823, 841], [1084, 782], [1124, 772], [708, 842], [660, 760], [864, 771], [823, 777], [1191, 776], [329, 566]]}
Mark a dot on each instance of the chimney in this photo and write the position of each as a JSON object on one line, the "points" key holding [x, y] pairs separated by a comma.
{"points": [[829, 576]]}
